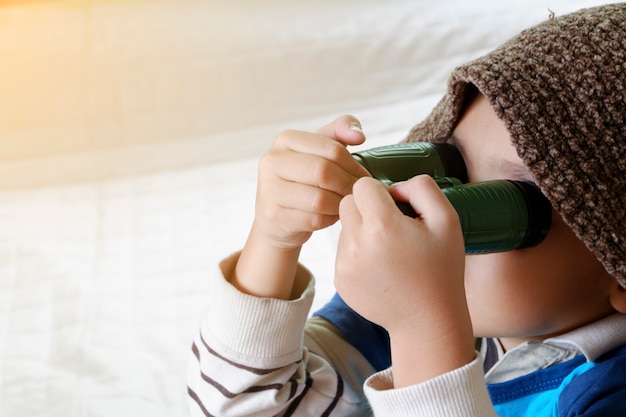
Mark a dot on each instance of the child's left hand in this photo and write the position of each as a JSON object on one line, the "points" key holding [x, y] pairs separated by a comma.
{"points": [[406, 274]]}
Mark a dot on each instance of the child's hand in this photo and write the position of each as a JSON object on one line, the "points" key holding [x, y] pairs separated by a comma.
{"points": [[302, 179], [406, 274]]}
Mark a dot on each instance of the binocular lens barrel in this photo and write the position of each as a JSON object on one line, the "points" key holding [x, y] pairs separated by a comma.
{"points": [[498, 215], [495, 216]]}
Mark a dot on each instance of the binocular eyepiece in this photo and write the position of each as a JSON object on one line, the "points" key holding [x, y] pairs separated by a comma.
{"points": [[496, 216]]}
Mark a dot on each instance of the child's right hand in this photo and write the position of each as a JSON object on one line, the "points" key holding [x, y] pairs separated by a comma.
{"points": [[302, 179]]}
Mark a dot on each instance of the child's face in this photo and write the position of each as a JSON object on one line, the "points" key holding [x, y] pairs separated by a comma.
{"points": [[529, 293]]}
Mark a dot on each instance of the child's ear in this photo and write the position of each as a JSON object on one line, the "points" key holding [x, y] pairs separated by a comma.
{"points": [[617, 297]]}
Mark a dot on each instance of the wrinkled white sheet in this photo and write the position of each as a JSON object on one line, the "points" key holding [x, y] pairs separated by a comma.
{"points": [[129, 135]]}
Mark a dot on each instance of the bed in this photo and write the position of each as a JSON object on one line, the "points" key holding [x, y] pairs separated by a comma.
{"points": [[129, 136]]}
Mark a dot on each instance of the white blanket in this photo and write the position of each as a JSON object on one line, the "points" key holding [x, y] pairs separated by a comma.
{"points": [[129, 135]]}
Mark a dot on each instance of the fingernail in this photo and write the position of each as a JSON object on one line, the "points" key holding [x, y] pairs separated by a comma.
{"points": [[356, 127]]}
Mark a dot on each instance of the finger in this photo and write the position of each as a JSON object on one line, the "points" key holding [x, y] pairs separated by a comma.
{"points": [[372, 199], [309, 169], [349, 214], [427, 199], [306, 198], [345, 129], [322, 146], [302, 221]]}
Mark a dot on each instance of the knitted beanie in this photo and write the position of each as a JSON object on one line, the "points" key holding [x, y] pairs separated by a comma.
{"points": [[560, 89]]}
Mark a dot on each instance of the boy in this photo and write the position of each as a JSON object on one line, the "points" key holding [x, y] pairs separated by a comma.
{"points": [[546, 107]]}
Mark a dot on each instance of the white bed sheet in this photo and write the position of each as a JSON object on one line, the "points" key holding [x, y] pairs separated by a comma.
{"points": [[112, 217]]}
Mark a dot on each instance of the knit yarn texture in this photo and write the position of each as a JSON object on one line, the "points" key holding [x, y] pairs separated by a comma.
{"points": [[560, 89]]}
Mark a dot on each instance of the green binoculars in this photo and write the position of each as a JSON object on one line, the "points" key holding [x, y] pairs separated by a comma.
{"points": [[496, 216]]}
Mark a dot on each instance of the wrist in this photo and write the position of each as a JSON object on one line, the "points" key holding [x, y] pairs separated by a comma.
{"points": [[264, 270], [431, 347]]}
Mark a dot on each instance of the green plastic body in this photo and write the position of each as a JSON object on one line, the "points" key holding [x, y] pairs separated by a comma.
{"points": [[495, 216], [500, 215], [402, 161]]}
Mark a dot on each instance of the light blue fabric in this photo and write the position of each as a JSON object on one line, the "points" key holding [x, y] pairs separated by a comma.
{"points": [[537, 394]]}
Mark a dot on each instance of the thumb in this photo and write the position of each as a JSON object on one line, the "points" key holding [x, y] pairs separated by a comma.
{"points": [[345, 130], [426, 198]]}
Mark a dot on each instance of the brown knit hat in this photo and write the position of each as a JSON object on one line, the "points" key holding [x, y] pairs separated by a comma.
{"points": [[560, 88]]}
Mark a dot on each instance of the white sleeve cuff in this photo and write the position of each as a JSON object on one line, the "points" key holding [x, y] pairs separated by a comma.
{"points": [[461, 392], [252, 329]]}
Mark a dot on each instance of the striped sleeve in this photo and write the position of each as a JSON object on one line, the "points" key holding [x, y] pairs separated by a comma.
{"points": [[249, 357]]}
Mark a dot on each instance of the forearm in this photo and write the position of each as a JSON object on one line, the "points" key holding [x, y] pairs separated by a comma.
{"points": [[264, 270], [441, 341], [436, 372]]}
